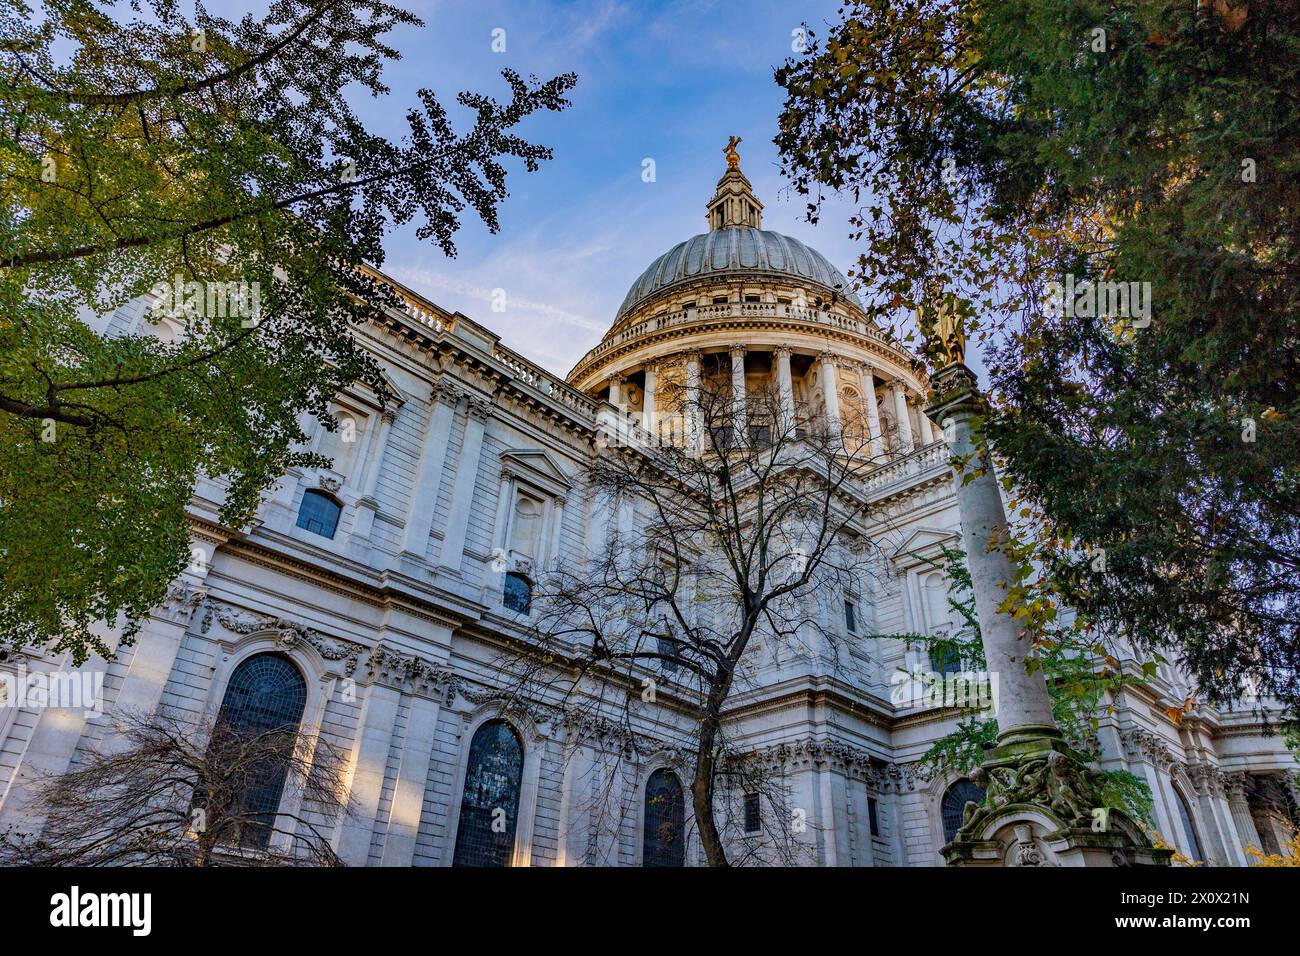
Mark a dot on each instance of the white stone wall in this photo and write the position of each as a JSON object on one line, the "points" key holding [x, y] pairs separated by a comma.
{"points": [[406, 738]]}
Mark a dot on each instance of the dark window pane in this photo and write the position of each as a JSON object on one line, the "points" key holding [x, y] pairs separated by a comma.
{"points": [[1185, 813], [945, 660], [850, 616], [518, 593], [954, 801], [873, 815], [664, 838], [489, 808], [266, 693], [753, 813], [319, 513]]}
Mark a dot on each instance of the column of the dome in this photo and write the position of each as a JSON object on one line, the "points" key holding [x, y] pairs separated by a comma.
{"points": [[739, 426], [785, 384], [648, 417], [927, 429], [616, 391], [904, 420], [830, 390], [877, 445], [694, 433]]}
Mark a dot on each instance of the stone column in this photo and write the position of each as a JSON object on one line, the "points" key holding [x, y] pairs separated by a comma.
{"points": [[462, 496], [369, 763], [1022, 702], [444, 398], [648, 417], [412, 779], [616, 391], [691, 413], [1238, 786], [830, 390], [877, 445], [905, 441], [785, 385], [739, 419]]}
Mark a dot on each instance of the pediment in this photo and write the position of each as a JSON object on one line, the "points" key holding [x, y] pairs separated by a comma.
{"points": [[532, 464], [924, 545]]}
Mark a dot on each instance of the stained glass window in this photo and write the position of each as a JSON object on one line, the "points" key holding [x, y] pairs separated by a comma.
{"points": [[664, 837], [266, 693], [954, 801], [518, 594], [319, 513], [1185, 813], [489, 808]]}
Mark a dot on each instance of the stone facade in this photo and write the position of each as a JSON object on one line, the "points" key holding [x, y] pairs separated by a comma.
{"points": [[397, 620]]}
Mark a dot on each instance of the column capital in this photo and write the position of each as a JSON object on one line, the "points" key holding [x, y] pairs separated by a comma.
{"points": [[737, 351], [955, 393], [388, 416], [446, 392], [480, 409], [782, 351]]}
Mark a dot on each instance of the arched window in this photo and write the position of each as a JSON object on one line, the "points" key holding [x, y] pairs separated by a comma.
{"points": [[266, 693], [319, 513], [1185, 814], [489, 807], [664, 837], [518, 593], [954, 801]]}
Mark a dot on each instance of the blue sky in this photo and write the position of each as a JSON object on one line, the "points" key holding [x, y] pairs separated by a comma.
{"points": [[667, 81]]}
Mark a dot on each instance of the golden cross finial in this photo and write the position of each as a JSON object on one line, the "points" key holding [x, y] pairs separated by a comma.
{"points": [[733, 157]]}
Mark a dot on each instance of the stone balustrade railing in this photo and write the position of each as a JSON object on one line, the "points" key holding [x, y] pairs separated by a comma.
{"points": [[914, 463], [546, 383], [727, 310]]}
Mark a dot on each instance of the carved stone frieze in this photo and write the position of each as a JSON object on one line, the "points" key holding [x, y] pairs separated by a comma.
{"points": [[411, 674], [289, 633]]}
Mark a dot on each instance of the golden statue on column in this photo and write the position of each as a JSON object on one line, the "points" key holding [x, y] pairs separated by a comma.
{"points": [[942, 321]]}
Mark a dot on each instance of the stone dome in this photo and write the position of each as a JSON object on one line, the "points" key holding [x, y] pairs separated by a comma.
{"points": [[737, 250]]}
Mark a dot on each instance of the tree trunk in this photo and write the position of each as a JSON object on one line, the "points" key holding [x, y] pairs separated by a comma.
{"points": [[702, 785]]}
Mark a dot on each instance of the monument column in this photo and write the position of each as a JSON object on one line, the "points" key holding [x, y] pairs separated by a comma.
{"points": [[1043, 805]]}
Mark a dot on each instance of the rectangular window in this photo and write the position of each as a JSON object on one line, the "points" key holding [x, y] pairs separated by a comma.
{"points": [[872, 816], [850, 617], [752, 298], [753, 813], [719, 300]]}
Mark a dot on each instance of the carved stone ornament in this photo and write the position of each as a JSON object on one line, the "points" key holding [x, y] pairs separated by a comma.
{"points": [[289, 633], [412, 674], [180, 603], [1026, 850], [331, 483], [1066, 787]]}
